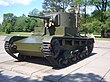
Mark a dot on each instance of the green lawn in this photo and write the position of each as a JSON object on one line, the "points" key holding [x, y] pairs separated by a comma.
{"points": [[29, 34], [16, 34], [102, 39]]}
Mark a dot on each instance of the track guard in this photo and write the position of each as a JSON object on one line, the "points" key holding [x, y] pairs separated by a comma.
{"points": [[8, 38]]}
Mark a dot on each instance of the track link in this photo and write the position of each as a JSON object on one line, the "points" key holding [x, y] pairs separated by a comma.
{"points": [[62, 58], [9, 50]]}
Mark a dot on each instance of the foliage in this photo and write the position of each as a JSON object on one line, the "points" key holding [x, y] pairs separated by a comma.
{"points": [[0, 27], [108, 20], [102, 8], [8, 22], [12, 23], [56, 5], [100, 17], [25, 24], [34, 12], [93, 26], [98, 21], [20, 24], [8, 28]]}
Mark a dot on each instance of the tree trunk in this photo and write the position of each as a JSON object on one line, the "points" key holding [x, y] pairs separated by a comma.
{"points": [[102, 33]]}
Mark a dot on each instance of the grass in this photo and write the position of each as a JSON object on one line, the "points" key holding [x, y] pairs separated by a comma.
{"points": [[16, 34], [100, 38], [29, 34]]}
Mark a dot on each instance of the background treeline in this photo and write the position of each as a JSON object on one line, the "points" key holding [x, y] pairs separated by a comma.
{"points": [[96, 22], [11, 23]]}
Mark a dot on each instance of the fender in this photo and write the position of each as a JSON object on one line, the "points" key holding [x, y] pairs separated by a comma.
{"points": [[47, 39], [8, 38]]}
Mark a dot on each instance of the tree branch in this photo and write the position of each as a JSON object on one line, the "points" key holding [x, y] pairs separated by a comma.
{"points": [[97, 7]]}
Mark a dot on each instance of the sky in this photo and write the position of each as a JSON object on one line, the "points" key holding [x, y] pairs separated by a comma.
{"points": [[19, 7]]}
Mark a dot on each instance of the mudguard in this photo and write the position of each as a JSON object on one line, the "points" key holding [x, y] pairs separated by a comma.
{"points": [[47, 39], [8, 38]]}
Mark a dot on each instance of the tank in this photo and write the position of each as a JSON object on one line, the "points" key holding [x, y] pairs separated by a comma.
{"points": [[58, 41]]}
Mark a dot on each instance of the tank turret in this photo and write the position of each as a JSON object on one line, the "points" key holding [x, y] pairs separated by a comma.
{"points": [[65, 24]]}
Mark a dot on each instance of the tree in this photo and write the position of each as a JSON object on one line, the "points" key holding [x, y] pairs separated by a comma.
{"points": [[108, 23], [34, 12], [23, 15], [56, 5], [32, 24], [8, 21], [101, 6], [8, 28], [100, 14], [26, 24], [0, 27], [21, 24]]}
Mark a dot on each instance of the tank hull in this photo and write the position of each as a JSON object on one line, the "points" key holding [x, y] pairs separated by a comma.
{"points": [[31, 46], [58, 50]]}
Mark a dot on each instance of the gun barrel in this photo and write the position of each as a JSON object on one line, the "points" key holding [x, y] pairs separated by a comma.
{"points": [[41, 17]]}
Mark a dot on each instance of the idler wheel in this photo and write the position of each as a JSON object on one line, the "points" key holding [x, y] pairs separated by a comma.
{"points": [[11, 49]]}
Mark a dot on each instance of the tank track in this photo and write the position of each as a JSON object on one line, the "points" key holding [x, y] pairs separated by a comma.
{"points": [[11, 48], [65, 57]]}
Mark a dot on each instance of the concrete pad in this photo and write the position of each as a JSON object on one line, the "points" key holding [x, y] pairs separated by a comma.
{"points": [[55, 75], [87, 70], [13, 77], [9, 76], [2, 38], [1, 69], [35, 65], [102, 44], [5, 59], [106, 77], [16, 62], [92, 72], [9, 65], [28, 68]]}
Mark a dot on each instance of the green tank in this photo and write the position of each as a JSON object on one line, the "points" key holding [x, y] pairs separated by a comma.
{"points": [[58, 41]]}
